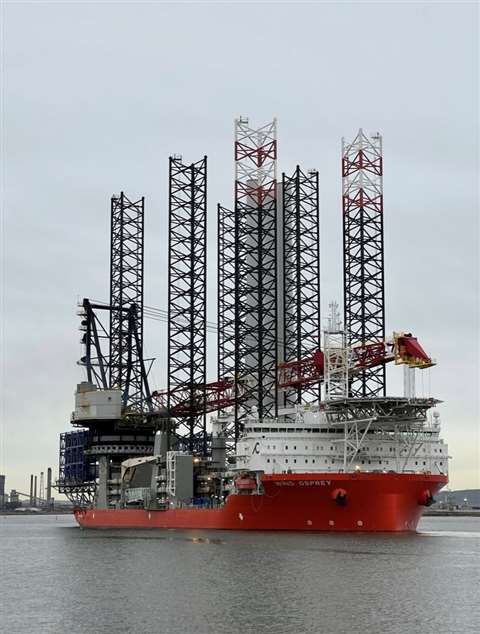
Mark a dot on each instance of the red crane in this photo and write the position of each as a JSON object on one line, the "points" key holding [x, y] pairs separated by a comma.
{"points": [[403, 349], [199, 399], [210, 397]]}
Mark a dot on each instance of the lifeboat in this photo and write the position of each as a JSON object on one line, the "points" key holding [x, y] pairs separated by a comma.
{"points": [[245, 483]]}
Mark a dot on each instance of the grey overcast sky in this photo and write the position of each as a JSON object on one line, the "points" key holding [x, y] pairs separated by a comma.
{"points": [[97, 95]]}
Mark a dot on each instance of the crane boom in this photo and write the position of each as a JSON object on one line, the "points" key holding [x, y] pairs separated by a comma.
{"points": [[402, 348], [204, 398]]}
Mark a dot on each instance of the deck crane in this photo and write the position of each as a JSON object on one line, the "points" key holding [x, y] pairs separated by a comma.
{"points": [[402, 348]]}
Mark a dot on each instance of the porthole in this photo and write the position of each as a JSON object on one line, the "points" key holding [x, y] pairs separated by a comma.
{"points": [[268, 459], [286, 459], [286, 446], [306, 461]]}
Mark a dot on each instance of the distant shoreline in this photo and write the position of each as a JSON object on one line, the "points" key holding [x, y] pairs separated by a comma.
{"points": [[39, 513], [446, 513]]}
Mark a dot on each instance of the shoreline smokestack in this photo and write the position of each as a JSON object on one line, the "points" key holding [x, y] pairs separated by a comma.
{"points": [[49, 487]]}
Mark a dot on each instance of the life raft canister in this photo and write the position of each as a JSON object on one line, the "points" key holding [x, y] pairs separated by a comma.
{"points": [[340, 496], [426, 498]]}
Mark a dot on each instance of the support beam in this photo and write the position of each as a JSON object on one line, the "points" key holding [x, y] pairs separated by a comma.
{"points": [[187, 267], [301, 276], [126, 291], [256, 260], [226, 292], [363, 265]]}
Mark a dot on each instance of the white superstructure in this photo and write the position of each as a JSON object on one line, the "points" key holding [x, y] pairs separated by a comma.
{"points": [[311, 442]]}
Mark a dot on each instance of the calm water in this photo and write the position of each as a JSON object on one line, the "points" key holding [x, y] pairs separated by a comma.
{"points": [[56, 577]]}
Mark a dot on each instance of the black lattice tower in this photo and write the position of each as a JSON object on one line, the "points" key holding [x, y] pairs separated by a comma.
{"points": [[364, 296], [126, 298], [187, 267], [255, 276], [301, 275], [226, 292]]}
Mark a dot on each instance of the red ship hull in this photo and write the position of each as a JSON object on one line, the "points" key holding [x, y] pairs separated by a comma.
{"points": [[296, 502]]}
